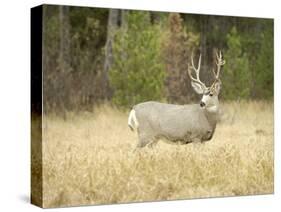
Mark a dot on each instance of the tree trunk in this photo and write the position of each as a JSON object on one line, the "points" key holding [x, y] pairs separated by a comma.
{"points": [[64, 55], [64, 60], [108, 60]]}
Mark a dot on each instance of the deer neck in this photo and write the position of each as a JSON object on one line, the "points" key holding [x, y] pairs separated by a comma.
{"points": [[214, 109], [211, 114]]}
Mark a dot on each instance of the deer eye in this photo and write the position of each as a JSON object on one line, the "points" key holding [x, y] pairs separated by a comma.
{"points": [[210, 94]]}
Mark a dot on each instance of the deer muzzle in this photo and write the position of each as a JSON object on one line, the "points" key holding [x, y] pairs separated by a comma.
{"points": [[202, 104]]}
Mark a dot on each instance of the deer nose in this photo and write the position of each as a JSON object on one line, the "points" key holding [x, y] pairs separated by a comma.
{"points": [[202, 104]]}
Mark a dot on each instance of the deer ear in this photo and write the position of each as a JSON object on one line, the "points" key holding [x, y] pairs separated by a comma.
{"points": [[197, 87], [218, 87]]}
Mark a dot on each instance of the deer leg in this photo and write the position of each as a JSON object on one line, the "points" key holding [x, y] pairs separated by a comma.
{"points": [[141, 144], [143, 141], [196, 140], [152, 143]]}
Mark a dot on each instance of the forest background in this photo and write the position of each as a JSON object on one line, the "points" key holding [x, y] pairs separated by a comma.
{"points": [[123, 57]]}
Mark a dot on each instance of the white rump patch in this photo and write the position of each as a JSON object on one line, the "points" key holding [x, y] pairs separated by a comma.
{"points": [[132, 120]]}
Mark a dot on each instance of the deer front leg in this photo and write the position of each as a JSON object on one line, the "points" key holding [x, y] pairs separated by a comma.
{"points": [[196, 140]]}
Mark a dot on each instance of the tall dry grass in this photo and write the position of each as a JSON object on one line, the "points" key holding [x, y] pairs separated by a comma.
{"points": [[88, 159]]}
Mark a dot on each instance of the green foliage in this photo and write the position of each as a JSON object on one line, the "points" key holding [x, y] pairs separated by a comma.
{"points": [[265, 69], [257, 40], [88, 35], [79, 85], [137, 73], [150, 53], [236, 73]]}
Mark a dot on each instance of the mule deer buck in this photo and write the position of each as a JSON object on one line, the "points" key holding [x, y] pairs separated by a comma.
{"points": [[180, 123]]}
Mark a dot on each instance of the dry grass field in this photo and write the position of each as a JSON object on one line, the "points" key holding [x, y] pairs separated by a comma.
{"points": [[88, 158]]}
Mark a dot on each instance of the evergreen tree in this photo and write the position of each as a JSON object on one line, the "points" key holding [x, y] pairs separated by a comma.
{"points": [[264, 76], [236, 74], [137, 72]]}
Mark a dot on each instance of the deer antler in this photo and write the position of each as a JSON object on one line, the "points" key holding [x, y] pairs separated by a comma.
{"points": [[196, 70], [219, 62]]}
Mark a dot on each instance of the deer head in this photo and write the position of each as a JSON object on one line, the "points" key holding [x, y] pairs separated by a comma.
{"points": [[210, 94]]}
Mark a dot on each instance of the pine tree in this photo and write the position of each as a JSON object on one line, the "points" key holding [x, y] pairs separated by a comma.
{"points": [[264, 76], [236, 74], [137, 72]]}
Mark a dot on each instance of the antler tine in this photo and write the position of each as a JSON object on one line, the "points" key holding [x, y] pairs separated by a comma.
{"points": [[196, 70], [214, 73], [219, 62], [198, 66]]}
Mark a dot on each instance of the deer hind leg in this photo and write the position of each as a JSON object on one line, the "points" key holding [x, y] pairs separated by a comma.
{"points": [[152, 143], [144, 140]]}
